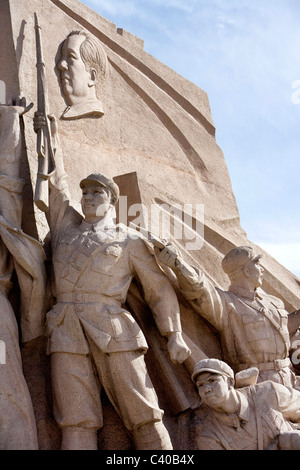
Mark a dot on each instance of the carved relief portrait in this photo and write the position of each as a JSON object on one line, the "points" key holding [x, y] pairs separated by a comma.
{"points": [[82, 68]]}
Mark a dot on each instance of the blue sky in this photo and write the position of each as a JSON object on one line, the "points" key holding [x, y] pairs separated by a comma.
{"points": [[246, 55]]}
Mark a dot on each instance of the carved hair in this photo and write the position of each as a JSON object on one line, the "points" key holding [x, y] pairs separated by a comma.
{"points": [[92, 53]]}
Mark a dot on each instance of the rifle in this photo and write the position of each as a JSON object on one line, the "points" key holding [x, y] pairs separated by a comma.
{"points": [[44, 146]]}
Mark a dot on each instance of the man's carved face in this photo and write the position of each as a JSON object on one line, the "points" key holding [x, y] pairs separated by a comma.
{"points": [[95, 202], [213, 389], [75, 79], [254, 271]]}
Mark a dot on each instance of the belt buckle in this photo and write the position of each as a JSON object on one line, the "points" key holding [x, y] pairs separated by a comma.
{"points": [[279, 364], [78, 297]]}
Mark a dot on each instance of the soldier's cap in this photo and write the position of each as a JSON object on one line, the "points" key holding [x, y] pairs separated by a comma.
{"points": [[104, 181], [212, 365], [237, 258]]}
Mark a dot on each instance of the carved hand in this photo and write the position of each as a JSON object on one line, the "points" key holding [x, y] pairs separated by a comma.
{"points": [[177, 347], [10, 135], [39, 122], [17, 107], [168, 255]]}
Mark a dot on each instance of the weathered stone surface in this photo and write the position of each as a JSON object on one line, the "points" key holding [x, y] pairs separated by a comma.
{"points": [[156, 138], [239, 418], [156, 123], [254, 327]]}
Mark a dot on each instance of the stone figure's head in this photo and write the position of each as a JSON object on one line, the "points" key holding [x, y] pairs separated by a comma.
{"points": [[243, 262], [214, 380], [82, 67], [99, 195]]}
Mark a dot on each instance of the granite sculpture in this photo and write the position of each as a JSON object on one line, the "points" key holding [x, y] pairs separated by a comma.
{"points": [[253, 325], [257, 417], [24, 255], [150, 122], [94, 262], [82, 68]]}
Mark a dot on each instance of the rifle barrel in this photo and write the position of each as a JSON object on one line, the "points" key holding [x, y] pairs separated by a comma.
{"points": [[44, 146]]}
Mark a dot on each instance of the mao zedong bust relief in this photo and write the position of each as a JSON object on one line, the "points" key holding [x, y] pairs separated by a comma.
{"points": [[82, 67]]}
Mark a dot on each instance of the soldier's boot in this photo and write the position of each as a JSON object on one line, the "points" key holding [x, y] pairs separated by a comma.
{"points": [[79, 439], [152, 436]]}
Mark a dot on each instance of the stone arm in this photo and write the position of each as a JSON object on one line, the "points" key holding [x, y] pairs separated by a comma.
{"points": [[18, 250], [60, 211], [204, 297], [161, 298], [10, 185], [288, 400], [10, 155]]}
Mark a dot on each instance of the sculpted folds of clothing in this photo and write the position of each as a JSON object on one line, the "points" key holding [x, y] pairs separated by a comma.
{"points": [[278, 411], [253, 337], [27, 257], [252, 326], [24, 254], [17, 424], [93, 269]]}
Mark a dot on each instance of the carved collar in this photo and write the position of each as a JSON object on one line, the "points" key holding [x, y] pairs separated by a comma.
{"points": [[251, 295], [105, 224]]}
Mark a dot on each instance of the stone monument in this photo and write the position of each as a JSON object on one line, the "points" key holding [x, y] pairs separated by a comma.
{"points": [[262, 416], [122, 113]]}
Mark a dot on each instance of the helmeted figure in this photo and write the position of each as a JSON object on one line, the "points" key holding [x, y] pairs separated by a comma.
{"points": [[94, 262], [253, 325], [263, 416]]}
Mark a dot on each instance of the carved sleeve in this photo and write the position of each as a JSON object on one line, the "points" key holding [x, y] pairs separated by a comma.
{"points": [[10, 142], [61, 213], [158, 291], [288, 402], [206, 300]]}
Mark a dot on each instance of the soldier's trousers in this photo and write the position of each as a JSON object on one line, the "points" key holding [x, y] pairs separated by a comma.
{"points": [[125, 379], [17, 422]]}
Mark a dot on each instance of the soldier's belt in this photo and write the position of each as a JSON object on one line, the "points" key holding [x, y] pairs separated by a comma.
{"points": [[86, 297], [278, 364]]}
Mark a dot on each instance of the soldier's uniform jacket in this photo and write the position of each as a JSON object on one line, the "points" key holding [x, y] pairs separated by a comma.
{"points": [[252, 325], [266, 410], [93, 268]]}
